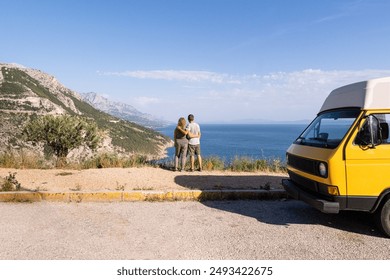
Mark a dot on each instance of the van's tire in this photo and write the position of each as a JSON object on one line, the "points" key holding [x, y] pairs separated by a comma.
{"points": [[383, 218]]}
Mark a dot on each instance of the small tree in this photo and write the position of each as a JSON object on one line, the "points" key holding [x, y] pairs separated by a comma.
{"points": [[62, 133]]}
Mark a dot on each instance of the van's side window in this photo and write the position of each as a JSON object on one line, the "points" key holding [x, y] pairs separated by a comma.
{"points": [[383, 133], [379, 126], [384, 125]]}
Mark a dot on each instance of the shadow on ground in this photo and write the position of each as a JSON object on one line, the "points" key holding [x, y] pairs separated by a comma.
{"points": [[286, 212], [213, 182], [281, 212]]}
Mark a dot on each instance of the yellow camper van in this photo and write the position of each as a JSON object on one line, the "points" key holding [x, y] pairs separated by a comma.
{"points": [[341, 161]]}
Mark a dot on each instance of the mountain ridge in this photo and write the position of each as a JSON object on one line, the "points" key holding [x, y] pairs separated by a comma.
{"points": [[26, 92], [122, 110]]}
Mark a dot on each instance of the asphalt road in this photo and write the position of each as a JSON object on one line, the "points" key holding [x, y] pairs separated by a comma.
{"points": [[186, 230]]}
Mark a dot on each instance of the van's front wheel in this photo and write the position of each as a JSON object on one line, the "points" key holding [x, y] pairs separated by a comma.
{"points": [[383, 217]]}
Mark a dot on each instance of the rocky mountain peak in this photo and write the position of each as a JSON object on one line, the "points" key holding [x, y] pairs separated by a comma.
{"points": [[27, 93], [33, 91], [122, 110]]}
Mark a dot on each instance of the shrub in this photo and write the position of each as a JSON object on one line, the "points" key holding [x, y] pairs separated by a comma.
{"points": [[62, 133], [213, 163], [22, 159], [242, 164], [113, 160], [110, 160], [8, 160], [10, 183]]}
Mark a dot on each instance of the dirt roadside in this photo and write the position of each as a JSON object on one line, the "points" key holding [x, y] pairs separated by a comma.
{"points": [[144, 178]]}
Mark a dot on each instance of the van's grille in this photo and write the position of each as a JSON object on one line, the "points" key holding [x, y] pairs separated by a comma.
{"points": [[315, 188], [305, 183], [303, 164]]}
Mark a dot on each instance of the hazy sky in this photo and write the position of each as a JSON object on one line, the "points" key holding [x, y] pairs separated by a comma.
{"points": [[221, 60]]}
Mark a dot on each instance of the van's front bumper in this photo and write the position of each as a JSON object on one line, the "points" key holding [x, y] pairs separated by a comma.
{"points": [[323, 205]]}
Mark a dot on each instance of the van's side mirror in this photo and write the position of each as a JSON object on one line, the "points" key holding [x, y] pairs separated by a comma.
{"points": [[370, 134]]}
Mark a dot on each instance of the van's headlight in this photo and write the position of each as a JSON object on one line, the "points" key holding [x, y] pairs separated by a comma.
{"points": [[322, 169]]}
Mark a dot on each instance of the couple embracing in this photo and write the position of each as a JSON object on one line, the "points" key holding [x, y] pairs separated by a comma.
{"points": [[187, 142]]}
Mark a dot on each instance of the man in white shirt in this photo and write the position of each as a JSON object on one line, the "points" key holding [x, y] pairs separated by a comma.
{"points": [[194, 142]]}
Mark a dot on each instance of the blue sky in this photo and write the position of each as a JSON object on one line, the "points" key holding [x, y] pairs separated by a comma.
{"points": [[221, 60]]}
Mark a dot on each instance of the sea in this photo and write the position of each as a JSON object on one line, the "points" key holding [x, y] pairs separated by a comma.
{"points": [[254, 141]]}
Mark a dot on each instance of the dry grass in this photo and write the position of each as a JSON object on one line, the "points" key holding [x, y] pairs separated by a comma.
{"points": [[239, 164]]}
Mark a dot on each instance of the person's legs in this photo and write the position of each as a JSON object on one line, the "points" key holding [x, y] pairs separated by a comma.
{"points": [[176, 163], [191, 151], [184, 156], [192, 158], [178, 154], [198, 156], [200, 162]]}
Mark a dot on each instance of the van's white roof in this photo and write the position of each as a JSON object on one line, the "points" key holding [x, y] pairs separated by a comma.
{"points": [[371, 94]]}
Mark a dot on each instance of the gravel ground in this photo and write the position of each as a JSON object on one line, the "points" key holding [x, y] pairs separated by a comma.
{"points": [[218, 230]]}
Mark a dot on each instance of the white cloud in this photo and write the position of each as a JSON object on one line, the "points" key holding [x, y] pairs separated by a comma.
{"points": [[146, 101], [279, 96], [274, 96], [171, 75], [343, 10]]}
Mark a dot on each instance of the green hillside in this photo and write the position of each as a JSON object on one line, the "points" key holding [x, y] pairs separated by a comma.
{"points": [[25, 94]]}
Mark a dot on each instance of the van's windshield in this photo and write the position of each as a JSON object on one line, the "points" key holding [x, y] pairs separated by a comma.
{"points": [[328, 128]]}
